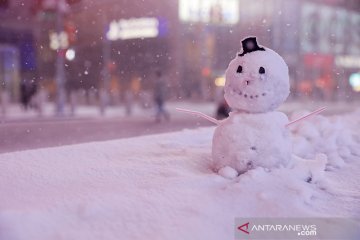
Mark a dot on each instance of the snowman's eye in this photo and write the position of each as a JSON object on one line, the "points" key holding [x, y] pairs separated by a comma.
{"points": [[239, 69], [261, 70]]}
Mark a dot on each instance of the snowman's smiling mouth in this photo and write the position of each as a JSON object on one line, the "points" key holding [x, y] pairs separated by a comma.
{"points": [[247, 95]]}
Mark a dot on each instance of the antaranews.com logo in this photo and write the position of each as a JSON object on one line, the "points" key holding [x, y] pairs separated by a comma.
{"points": [[297, 228]]}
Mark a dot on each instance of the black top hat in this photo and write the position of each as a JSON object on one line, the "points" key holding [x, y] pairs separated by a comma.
{"points": [[250, 45]]}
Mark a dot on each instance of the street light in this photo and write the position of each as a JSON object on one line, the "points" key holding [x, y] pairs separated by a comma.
{"points": [[60, 61], [70, 54]]}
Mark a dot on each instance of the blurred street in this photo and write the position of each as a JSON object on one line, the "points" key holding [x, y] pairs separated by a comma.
{"points": [[24, 131], [50, 133]]}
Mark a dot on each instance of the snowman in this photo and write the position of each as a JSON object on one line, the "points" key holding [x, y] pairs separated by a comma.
{"points": [[257, 82], [255, 134]]}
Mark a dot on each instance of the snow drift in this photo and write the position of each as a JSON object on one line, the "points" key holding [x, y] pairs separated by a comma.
{"points": [[163, 187]]}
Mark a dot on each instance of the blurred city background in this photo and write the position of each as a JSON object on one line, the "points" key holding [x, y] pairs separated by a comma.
{"points": [[83, 70]]}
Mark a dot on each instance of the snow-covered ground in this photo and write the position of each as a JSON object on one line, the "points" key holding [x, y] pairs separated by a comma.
{"points": [[163, 186]]}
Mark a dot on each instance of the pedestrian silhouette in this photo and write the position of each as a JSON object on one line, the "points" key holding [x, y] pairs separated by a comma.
{"points": [[159, 98]]}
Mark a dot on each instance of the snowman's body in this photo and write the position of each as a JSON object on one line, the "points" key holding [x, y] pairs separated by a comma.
{"points": [[257, 82], [244, 141]]}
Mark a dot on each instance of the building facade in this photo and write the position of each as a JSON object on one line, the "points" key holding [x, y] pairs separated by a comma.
{"points": [[319, 40]]}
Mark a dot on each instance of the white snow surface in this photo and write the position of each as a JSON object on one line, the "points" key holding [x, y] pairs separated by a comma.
{"points": [[163, 187]]}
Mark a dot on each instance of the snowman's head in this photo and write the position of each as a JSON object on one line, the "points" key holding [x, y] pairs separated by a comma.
{"points": [[257, 80]]}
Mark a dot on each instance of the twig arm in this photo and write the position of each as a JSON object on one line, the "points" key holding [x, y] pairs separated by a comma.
{"points": [[199, 114], [306, 116]]}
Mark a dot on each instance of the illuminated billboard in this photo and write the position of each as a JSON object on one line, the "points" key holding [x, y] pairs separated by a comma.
{"points": [[209, 11], [133, 28]]}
